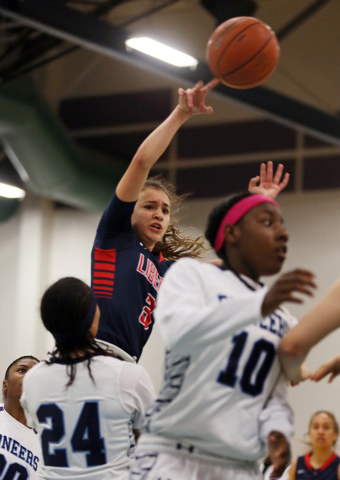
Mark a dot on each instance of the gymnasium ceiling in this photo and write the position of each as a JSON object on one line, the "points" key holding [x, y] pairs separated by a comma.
{"points": [[65, 49]]}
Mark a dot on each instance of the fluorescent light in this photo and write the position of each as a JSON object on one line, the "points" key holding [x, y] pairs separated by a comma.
{"points": [[11, 192], [162, 52]]}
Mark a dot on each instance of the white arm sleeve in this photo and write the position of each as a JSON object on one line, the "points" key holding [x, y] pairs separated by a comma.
{"points": [[23, 402], [277, 415], [137, 391], [184, 315]]}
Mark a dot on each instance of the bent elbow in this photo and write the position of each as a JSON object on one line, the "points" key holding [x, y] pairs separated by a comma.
{"points": [[291, 348]]}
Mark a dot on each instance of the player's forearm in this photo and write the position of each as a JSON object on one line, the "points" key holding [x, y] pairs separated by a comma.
{"points": [[148, 153], [157, 142]]}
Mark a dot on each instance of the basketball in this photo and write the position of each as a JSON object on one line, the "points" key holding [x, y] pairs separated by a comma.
{"points": [[243, 52]]}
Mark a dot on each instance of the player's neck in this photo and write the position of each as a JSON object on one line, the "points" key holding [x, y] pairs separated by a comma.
{"points": [[16, 411], [319, 457], [79, 353], [240, 268]]}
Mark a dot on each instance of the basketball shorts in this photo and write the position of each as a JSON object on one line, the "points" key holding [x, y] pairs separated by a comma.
{"points": [[164, 466]]}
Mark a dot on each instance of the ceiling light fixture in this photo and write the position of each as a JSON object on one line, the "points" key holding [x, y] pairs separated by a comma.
{"points": [[11, 192], [162, 52]]}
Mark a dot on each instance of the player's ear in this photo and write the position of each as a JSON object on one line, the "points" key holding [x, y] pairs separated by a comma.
{"points": [[4, 388], [231, 234]]}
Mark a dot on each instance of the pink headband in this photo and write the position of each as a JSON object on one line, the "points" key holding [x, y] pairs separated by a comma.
{"points": [[236, 213]]}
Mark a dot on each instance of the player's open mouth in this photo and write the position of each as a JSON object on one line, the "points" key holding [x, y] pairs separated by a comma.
{"points": [[156, 226], [282, 252]]}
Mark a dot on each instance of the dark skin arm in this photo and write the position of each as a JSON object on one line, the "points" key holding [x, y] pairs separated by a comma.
{"points": [[278, 452]]}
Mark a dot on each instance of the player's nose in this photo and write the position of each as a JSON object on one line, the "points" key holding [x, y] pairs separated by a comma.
{"points": [[159, 214]]}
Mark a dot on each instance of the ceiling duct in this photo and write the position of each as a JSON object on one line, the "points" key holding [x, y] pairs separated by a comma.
{"points": [[47, 161]]}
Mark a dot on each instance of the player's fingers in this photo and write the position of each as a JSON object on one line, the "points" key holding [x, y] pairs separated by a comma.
{"points": [[331, 378], [190, 97], [322, 371], [253, 182], [278, 173], [210, 85], [299, 274], [292, 299], [263, 173], [297, 288], [198, 85], [295, 282], [209, 110], [284, 182], [270, 172]]}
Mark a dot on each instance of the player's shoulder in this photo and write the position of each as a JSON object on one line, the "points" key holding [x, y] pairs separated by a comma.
{"points": [[135, 371], [120, 366]]}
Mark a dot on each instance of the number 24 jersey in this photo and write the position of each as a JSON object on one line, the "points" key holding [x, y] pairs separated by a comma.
{"points": [[86, 429]]}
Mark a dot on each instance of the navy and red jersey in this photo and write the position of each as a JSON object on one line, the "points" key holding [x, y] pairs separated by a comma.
{"points": [[126, 278], [328, 471]]}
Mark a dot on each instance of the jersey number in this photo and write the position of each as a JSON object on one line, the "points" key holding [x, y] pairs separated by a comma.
{"points": [[145, 317], [14, 470], [256, 369], [85, 438]]}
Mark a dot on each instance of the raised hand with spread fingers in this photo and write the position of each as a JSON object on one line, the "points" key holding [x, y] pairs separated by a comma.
{"points": [[270, 184]]}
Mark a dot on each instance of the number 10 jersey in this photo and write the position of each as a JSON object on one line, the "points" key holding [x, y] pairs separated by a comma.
{"points": [[223, 390]]}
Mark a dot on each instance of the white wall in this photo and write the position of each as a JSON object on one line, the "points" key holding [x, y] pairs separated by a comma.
{"points": [[40, 245]]}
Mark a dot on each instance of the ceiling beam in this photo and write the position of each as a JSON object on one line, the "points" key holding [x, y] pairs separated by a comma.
{"points": [[94, 34]]}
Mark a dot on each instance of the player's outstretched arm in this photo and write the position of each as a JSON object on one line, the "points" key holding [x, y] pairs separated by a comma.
{"points": [[270, 185], [321, 320], [191, 102]]}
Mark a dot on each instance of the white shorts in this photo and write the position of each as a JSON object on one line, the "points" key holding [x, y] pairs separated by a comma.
{"points": [[164, 466]]}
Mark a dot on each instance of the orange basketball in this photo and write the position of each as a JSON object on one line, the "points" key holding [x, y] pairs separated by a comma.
{"points": [[243, 52]]}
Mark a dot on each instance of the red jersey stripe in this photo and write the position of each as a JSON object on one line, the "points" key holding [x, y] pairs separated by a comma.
{"points": [[104, 275], [99, 289], [329, 461], [104, 266], [105, 255], [103, 282]]}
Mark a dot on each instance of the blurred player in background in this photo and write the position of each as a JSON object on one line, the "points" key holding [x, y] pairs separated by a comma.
{"points": [[136, 242], [321, 463], [223, 401], [20, 453], [85, 403]]}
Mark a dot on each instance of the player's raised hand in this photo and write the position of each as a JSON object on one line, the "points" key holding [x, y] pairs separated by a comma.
{"points": [[283, 290], [269, 185], [332, 367], [192, 100], [279, 453]]}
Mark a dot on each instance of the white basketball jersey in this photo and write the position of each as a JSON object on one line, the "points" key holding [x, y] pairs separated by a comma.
{"points": [[86, 430], [20, 454], [223, 390]]}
